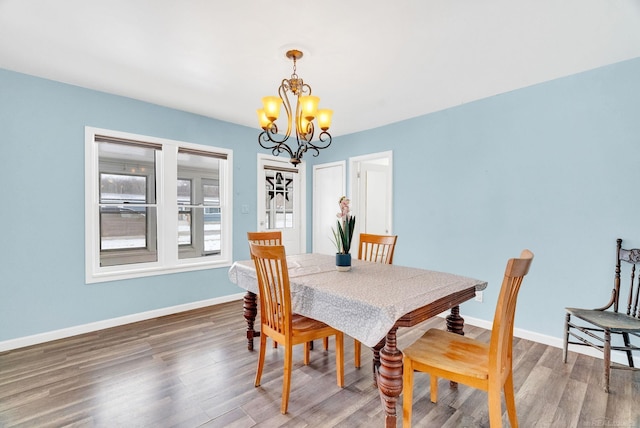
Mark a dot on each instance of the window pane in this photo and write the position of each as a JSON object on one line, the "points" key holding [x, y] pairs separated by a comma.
{"points": [[127, 210], [211, 192], [212, 230], [211, 198], [202, 201], [122, 227], [124, 235], [184, 212], [184, 227], [184, 192]]}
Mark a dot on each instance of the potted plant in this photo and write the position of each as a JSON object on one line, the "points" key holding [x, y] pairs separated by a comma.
{"points": [[343, 235]]}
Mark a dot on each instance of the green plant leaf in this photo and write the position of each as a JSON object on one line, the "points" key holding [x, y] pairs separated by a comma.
{"points": [[344, 234]]}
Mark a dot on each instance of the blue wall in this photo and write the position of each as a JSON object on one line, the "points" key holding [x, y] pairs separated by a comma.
{"points": [[42, 125], [551, 168]]}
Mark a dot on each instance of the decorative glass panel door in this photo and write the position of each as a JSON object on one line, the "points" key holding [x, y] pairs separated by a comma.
{"points": [[280, 202]]}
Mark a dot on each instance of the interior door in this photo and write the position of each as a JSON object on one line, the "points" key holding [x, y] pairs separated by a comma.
{"points": [[281, 201], [329, 183], [374, 197], [371, 183]]}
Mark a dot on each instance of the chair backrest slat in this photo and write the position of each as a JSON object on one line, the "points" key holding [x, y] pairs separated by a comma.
{"points": [[377, 248], [265, 238], [272, 237], [627, 260]]}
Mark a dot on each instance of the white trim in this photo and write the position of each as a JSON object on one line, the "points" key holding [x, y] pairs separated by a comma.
{"points": [[556, 342], [35, 339], [168, 259]]}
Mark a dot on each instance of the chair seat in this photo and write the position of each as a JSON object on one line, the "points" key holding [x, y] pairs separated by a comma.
{"points": [[300, 323], [614, 321], [451, 352]]}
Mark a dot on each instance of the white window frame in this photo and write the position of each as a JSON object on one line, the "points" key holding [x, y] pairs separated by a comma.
{"points": [[166, 193]]}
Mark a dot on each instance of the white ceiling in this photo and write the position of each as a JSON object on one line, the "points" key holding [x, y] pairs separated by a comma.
{"points": [[373, 61]]}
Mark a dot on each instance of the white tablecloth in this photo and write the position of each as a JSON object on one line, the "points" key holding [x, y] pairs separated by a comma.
{"points": [[364, 302]]}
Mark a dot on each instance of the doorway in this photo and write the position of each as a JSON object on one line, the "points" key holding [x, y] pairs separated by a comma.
{"points": [[371, 180], [371, 195]]}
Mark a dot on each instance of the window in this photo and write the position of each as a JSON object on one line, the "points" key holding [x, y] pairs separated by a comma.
{"points": [[198, 204], [154, 206]]}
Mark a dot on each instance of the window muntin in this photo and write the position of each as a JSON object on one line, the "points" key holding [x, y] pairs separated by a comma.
{"points": [[134, 187]]}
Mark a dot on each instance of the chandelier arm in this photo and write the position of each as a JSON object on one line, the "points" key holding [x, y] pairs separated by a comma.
{"points": [[282, 92], [302, 146], [324, 137], [266, 141]]}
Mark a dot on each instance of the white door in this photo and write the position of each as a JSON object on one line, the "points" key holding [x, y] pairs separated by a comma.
{"points": [[372, 195], [328, 186], [281, 201]]}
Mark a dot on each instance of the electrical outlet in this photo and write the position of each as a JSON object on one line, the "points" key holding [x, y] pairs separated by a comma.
{"points": [[479, 296]]}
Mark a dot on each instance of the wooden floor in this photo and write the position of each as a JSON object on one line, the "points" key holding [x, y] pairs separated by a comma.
{"points": [[193, 370]]}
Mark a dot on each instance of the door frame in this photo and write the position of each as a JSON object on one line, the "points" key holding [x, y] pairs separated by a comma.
{"points": [[354, 180]]}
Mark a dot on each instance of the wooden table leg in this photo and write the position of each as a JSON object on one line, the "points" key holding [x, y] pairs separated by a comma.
{"points": [[455, 324], [390, 377], [376, 361], [250, 312]]}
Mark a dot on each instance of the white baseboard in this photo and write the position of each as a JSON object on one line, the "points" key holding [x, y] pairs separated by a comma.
{"points": [[556, 342], [35, 339], [21, 342]]}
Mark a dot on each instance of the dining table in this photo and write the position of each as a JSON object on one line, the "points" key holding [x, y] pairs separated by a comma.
{"points": [[369, 303]]}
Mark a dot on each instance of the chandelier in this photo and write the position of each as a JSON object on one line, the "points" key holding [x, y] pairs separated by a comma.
{"points": [[301, 121]]}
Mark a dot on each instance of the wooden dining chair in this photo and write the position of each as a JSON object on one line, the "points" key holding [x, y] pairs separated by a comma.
{"points": [[379, 249], [485, 366], [272, 237], [594, 327], [279, 323]]}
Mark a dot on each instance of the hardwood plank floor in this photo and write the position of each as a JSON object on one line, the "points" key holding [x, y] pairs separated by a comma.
{"points": [[193, 370]]}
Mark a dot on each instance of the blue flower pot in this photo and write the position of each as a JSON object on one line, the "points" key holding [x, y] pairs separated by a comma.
{"points": [[343, 262]]}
